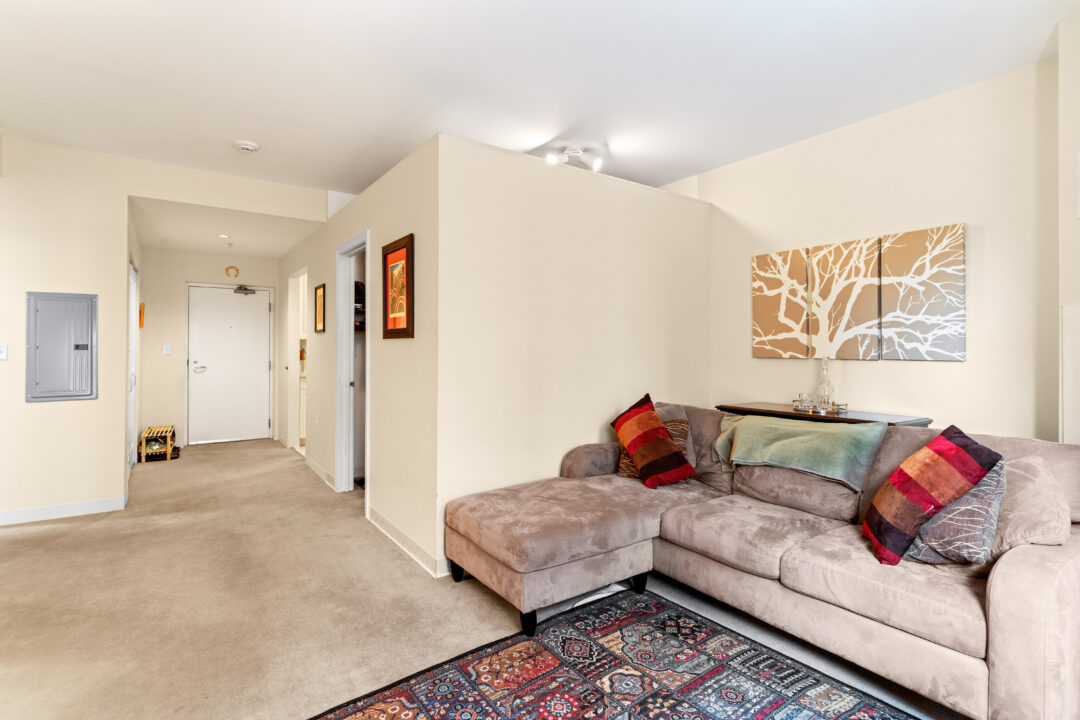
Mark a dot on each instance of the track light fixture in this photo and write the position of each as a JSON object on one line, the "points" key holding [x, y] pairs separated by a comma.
{"points": [[574, 155]]}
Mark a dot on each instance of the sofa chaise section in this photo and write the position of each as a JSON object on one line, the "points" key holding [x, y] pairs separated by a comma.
{"points": [[549, 540]]}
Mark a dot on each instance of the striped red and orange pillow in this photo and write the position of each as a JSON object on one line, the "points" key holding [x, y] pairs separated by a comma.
{"points": [[649, 444], [943, 470]]}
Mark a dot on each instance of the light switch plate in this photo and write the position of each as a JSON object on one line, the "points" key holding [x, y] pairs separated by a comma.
{"points": [[3, 351], [166, 350]]}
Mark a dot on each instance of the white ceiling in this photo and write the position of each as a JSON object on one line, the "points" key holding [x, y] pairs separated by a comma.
{"points": [[195, 228], [338, 91]]}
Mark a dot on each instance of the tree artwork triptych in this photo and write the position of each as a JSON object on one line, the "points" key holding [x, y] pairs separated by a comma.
{"points": [[893, 297]]}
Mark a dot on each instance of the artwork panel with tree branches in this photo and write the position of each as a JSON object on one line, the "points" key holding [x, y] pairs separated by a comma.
{"points": [[844, 312], [923, 312], [779, 285]]}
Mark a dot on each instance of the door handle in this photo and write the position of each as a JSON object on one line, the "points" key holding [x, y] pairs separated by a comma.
{"points": [[196, 367]]}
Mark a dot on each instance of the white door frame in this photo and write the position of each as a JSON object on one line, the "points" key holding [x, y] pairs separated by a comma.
{"points": [[294, 328], [187, 351], [133, 349], [343, 424]]}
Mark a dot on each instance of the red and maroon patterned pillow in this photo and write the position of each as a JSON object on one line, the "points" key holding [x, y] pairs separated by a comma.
{"points": [[680, 431], [943, 470], [649, 444]]}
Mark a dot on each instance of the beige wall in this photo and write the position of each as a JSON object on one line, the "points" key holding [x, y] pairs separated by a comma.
{"points": [[63, 227], [985, 156], [402, 373], [563, 297], [165, 277], [1069, 146], [1069, 222]]}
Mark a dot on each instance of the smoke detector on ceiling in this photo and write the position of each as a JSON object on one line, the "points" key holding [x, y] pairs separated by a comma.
{"points": [[246, 146]]}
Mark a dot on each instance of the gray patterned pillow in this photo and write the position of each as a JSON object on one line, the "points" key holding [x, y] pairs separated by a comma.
{"points": [[964, 531]]}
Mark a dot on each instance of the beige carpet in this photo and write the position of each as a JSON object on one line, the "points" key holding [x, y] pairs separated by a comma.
{"points": [[235, 585]]}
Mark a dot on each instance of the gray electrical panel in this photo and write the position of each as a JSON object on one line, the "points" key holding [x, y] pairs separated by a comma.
{"points": [[61, 347]]}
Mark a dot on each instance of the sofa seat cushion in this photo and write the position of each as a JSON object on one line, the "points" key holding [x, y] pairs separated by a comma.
{"points": [[940, 603], [545, 523], [741, 532]]}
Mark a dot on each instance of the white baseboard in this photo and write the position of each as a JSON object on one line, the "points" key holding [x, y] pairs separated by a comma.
{"points": [[319, 470], [405, 543], [52, 512]]}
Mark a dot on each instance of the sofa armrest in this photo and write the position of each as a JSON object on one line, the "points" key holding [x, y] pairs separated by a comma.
{"points": [[590, 460], [1033, 632]]}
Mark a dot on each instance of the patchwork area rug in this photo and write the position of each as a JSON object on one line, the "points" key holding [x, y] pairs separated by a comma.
{"points": [[623, 657]]}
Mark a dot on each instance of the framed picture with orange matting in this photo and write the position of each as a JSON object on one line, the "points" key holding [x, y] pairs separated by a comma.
{"points": [[398, 274], [320, 308]]}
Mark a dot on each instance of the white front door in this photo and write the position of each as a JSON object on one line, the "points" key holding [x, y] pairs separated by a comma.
{"points": [[228, 365]]}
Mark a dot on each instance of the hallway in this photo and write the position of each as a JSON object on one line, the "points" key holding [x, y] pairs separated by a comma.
{"points": [[235, 585]]}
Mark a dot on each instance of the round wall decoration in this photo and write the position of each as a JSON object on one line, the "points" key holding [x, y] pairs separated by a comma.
{"points": [[232, 271]]}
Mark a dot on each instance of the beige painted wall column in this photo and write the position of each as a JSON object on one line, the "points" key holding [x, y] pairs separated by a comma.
{"points": [[401, 485], [564, 296], [547, 299]]}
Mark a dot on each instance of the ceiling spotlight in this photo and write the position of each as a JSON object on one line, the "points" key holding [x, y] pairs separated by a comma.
{"points": [[246, 146], [552, 159], [597, 164], [223, 236]]}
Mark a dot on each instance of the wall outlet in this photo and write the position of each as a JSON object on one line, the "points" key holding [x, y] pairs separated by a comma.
{"points": [[3, 351], [166, 350]]}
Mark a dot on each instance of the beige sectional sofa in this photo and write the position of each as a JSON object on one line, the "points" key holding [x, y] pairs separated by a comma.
{"points": [[785, 547]]}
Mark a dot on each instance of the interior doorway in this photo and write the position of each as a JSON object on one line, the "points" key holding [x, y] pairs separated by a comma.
{"points": [[299, 323], [348, 395], [230, 341], [359, 365]]}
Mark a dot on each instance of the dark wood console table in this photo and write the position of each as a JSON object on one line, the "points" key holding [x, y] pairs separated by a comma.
{"points": [[847, 416]]}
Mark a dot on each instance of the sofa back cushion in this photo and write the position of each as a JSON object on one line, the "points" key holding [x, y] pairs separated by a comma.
{"points": [[1034, 510], [1062, 461], [704, 429], [797, 490]]}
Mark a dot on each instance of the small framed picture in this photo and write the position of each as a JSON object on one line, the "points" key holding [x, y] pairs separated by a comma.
{"points": [[320, 308], [398, 274]]}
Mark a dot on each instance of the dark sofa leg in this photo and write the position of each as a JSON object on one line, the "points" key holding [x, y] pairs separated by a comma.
{"points": [[528, 623], [637, 583], [456, 571]]}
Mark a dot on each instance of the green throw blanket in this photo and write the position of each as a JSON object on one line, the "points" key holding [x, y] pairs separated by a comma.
{"points": [[837, 451]]}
